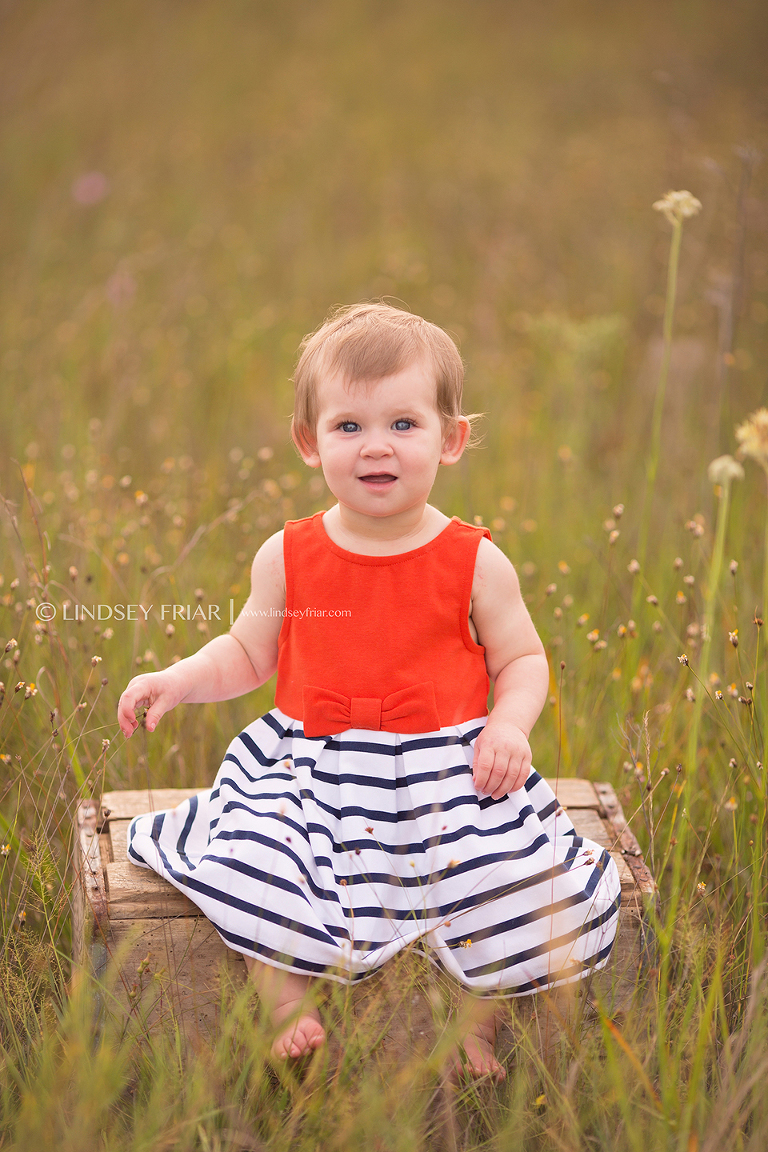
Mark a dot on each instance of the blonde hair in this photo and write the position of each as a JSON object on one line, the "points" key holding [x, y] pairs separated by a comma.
{"points": [[365, 342]]}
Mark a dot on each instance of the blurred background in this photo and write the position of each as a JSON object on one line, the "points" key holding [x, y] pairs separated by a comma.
{"points": [[190, 187]]}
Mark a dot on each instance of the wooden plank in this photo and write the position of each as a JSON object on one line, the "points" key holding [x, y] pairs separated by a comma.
{"points": [[573, 792], [105, 847], [170, 972], [89, 875], [588, 824], [118, 839], [140, 893], [629, 846], [125, 805]]}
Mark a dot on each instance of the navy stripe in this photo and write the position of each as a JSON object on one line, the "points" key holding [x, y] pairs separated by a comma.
{"points": [[391, 784], [548, 945], [370, 842], [575, 971], [252, 747], [228, 899], [181, 843], [535, 914]]}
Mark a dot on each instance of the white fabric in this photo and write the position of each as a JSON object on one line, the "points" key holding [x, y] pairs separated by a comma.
{"points": [[326, 856]]}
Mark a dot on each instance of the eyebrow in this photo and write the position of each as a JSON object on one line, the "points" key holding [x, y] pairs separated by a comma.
{"points": [[343, 415]]}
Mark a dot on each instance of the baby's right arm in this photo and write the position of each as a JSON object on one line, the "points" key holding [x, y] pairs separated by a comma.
{"points": [[228, 665]]}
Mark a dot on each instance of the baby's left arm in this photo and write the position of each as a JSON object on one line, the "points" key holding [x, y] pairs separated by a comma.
{"points": [[516, 663]]}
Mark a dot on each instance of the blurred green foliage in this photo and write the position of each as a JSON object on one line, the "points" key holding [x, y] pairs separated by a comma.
{"points": [[189, 188]]}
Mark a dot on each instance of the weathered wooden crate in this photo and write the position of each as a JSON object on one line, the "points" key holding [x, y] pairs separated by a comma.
{"points": [[168, 962]]}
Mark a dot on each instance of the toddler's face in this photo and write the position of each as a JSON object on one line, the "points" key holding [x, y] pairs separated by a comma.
{"points": [[380, 443]]}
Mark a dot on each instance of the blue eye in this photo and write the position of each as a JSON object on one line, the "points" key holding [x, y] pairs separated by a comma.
{"points": [[349, 426], [403, 425]]}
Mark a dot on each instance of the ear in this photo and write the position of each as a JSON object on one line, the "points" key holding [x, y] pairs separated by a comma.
{"points": [[306, 444], [455, 440]]}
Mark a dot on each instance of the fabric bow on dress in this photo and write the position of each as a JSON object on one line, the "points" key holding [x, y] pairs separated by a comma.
{"points": [[409, 710]]}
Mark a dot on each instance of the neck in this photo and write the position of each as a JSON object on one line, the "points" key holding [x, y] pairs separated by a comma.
{"points": [[408, 529]]}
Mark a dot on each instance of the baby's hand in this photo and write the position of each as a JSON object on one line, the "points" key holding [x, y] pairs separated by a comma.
{"points": [[157, 691], [502, 759]]}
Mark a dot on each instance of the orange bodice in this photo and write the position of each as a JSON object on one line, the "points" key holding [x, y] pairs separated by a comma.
{"points": [[379, 642]]}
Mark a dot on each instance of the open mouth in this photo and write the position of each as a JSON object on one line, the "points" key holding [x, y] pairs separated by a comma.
{"points": [[378, 478]]}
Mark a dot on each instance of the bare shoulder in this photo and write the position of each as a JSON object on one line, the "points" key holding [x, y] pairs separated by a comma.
{"points": [[493, 570], [501, 619], [268, 562]]}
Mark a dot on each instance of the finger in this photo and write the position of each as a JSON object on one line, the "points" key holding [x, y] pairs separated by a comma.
{"points": [[153, 715], [483, 768], [126, 717], [499, 785], [521, 773], [135, 696], [507, 785]]}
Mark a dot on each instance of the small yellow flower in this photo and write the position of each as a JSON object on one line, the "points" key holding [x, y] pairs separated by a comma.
{"points": [[752, 436], [678, 206], [731, 804], [5, 850]]}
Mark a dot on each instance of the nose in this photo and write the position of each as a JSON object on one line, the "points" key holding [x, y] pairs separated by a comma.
{"points": [[376, 446]]}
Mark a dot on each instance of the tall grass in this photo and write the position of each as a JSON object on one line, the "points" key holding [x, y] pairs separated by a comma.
{"points": [[495, 170]]}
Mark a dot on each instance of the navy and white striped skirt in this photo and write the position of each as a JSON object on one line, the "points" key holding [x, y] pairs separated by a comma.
{"points": [[326, 856]]}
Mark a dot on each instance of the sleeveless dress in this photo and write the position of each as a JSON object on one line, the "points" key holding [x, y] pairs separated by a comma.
{"points": [[344, 824]]}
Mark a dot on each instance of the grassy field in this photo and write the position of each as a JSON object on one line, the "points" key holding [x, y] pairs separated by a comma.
{"points": [[187, 190]]}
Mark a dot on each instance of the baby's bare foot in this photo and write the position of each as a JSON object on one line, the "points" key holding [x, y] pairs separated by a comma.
{"points": [[303, 1034], [474, 1057]]}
